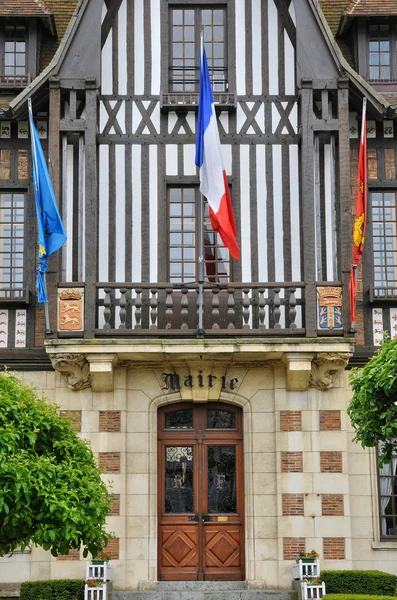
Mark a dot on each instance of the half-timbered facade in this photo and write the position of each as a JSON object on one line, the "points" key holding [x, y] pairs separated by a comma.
{"points": [[230, 451]]}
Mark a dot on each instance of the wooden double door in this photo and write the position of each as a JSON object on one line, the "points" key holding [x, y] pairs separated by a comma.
{"points": [[200, 492]]}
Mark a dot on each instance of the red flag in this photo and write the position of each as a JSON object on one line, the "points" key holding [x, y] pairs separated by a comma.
{"points": [[361, 212]]}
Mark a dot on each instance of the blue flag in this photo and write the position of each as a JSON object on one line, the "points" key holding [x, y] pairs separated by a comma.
{"points": [[51, 232]]}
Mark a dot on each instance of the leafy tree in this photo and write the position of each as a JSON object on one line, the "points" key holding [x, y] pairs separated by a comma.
{"points": [[373, 408], [51, 492]]}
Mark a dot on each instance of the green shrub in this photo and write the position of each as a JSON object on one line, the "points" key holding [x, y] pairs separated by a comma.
{"points": [[356, 597], [58, 589], [372, 583]]}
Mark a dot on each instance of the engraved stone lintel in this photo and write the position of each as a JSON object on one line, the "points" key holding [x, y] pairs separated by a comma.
{"points": [[74, 368], [324, 366], [298, 368]]}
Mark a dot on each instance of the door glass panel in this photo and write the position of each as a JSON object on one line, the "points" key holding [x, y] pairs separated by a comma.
{"points": [[221, 419], [222, 497], [178, 479], [179, 419]]}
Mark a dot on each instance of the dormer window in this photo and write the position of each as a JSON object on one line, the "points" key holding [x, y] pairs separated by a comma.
{"points": [[380, 63], [15, 50], [16, 66]]}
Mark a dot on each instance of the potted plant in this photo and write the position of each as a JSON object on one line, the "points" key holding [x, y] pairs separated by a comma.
{"points": [[308, 557], [101, 559], [94, 583]]}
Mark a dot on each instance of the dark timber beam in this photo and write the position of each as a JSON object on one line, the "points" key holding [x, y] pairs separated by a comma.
{"points": [[309, 225], [91, 212], [55, 262], [345, 234]]}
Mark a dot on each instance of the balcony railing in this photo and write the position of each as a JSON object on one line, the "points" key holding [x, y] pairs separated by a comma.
{"points": [[164, 309], [14, 81]]}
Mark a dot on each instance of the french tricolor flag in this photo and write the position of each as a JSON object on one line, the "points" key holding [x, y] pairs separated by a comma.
{"points": [[213, 180]]}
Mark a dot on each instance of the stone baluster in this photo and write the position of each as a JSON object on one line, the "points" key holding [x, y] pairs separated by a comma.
{"points": [[215, 308], [292, 309], [261, 308], [169, 312], [153, 308], [230, 308], [123, 304], [184, 308], [107, 303], [246, 308], [138, 308], [276, 308]]}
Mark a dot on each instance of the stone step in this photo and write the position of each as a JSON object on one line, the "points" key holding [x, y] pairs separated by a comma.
{"points": [[225, 594], [200, 586]]}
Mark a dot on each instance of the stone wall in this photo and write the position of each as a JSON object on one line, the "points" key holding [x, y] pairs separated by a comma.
{"points": [[307, 484]]}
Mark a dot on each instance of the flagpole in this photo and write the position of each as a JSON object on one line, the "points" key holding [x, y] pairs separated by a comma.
{"points": [[36, 178], [200, 329], [354, 265]]}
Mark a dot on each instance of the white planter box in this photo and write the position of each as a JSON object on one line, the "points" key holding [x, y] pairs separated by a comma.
{"points": [[312, 592], [303, 570], [99, 571], [95, 593]]}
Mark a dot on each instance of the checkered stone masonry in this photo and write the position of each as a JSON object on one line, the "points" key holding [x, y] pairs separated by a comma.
{"points": [[291, 420], [73, 555], [293, 547], [109, 420], [332, 505], [334, 548], [329, 420], [109, 462], [112, 549], [293, 505], [115, 506], [291, 462], [331, 462], [74, 417]]}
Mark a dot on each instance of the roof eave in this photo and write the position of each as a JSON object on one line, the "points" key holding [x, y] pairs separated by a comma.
{"points": [[18, 101], [376, 100]]}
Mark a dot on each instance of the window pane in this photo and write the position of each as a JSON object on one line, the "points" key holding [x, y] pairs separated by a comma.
{"points": [[177, 17], [178, 480], [385, 72], [179, 419], [222, 496], [189, 17], [374, 73], [221, 419], [373, 58]]}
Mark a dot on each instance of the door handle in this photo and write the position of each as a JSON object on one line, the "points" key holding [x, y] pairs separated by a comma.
{"points": [[206, 518], [194, 518]]}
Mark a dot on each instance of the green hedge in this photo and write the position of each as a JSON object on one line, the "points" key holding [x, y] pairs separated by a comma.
{"points": [[356, 597], [373, 583], [58, 589]]}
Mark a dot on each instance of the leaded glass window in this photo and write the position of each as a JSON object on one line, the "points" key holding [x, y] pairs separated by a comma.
{"points": [[184, 229], [178, 479], [222, 493], [379, 52], [186, 25], [384, 241], [179, 419], [388, 498], [15, 50], [12, 229]]}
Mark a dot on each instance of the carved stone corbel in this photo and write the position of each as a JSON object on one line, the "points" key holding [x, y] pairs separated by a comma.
{"points": [[74, 368], [324, 366]]}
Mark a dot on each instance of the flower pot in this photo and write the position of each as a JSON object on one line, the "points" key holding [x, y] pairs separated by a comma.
{"points": [[98, 562], [308, 560]]}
